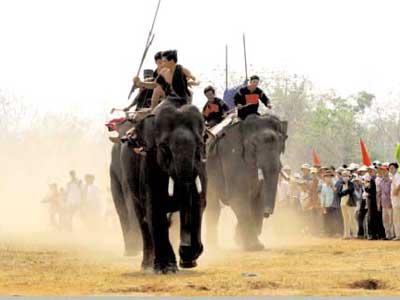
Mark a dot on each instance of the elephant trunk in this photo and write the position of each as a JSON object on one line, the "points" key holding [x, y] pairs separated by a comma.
{"points": [[268, 175], [269, 190]]}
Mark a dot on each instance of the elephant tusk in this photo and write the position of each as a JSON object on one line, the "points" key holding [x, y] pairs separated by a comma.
{"points": [[260, 175], [198, 184], [170, 187]]}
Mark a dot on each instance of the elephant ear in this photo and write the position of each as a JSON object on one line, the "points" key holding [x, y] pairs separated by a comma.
{"points": [[145, 131], [284, 129]]}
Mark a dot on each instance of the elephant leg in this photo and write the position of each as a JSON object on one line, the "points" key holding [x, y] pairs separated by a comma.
{"points": [[258, 213], [164, 256], [130, 243], [191, 213], [148, 249], [212, 218], [246, 229]]}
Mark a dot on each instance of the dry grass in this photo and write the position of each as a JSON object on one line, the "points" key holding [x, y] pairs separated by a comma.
{"points": [[308, 267]]}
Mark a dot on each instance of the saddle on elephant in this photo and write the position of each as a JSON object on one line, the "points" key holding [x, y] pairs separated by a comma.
{"points": [[121, 128]]}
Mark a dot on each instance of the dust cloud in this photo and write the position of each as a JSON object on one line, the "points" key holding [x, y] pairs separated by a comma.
{"points": [[44, 152]]}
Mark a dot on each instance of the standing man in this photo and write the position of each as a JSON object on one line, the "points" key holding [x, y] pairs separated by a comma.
{"points": [[54, 200], [385, 202], [374, 216], [345, 193], [329, 207], [395, 198], [73, 199], [93, 205], [361, 210], [247, 98], [214, 109]]}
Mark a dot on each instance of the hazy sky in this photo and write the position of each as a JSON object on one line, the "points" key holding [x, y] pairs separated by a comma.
{"points": [[83, 53]]}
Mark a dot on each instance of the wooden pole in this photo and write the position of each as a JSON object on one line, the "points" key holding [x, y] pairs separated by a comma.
{"points": [[245, 56], [226, 67], [150, 38]]}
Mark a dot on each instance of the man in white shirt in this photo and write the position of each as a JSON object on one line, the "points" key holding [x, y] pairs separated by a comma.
{"points": [[93, 204], [73, 198], [395, 197]]}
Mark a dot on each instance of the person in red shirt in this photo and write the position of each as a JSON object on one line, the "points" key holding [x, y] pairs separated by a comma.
{"points": [[214, 109], [248, 97]]}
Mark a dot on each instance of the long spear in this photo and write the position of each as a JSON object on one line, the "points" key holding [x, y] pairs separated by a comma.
{"points": [[150, 38], [245, 56], [226, 67]]}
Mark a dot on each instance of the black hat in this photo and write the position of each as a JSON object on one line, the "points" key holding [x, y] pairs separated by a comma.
{"points": [[148, 73]]}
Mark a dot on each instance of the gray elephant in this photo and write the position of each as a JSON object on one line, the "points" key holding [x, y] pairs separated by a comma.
{"points": [[123, 200], [169, 175], [243, 167]]}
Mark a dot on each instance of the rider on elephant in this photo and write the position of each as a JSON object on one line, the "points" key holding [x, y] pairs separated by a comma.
{"points": [[143, 98], [155, 93], [214, 109], [247, 98], [173, 79]]}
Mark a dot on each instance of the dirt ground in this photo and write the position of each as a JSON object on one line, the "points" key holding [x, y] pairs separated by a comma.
{"points": [[52, 264]]}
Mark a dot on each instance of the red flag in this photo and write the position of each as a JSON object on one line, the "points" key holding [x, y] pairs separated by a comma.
{"points": [[316, 160], [364, 153]]}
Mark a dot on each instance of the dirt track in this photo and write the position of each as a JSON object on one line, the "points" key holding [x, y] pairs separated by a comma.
{"points": [[308, 267]]}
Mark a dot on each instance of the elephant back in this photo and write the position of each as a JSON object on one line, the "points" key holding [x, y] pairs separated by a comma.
{"points": [[240, 130]]}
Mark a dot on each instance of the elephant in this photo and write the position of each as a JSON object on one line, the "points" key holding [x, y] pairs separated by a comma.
{"points": [[122, 199], [168, 175], [243, 166]]}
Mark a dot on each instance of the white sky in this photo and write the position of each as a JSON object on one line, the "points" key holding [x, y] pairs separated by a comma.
{"points": [[62, 54]]}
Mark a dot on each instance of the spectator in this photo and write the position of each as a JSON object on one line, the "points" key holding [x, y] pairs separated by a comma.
{"points": [[345, 194], [73, 199], [53, 198], [395, 198], [374, 216], [384, 201], [284, 193], [305, 169], [329, 206], [361, 202], [93, 207]]}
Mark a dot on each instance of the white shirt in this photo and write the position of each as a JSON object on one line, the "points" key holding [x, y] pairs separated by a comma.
{"points": [[395, 184], [93, 199], [74, 193], [283, 190]]}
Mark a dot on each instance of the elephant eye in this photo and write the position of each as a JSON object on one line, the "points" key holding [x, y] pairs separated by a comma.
{"points": [[163, 147]]}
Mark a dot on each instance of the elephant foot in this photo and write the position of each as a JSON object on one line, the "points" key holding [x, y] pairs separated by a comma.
{"points": [[187, 264], [267, 212], [172, 267], [131, 252], [254, 247], [147, 267], [189, 255], [162, 269]]}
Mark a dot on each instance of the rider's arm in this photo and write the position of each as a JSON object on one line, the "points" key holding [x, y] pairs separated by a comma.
{"points": [[224, 107], [239, 99], [148, 85], [264, 99], [188, 74], [134, 102]]}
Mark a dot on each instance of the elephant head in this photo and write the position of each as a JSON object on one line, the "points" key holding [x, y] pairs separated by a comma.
{"points": [[263, 142], [179, 143]]}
